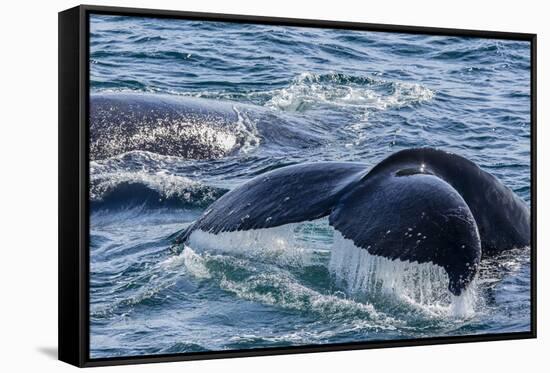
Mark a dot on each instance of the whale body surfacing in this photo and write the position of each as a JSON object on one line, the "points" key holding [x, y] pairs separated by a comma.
{"points": [[188, 127], [417, 206]]}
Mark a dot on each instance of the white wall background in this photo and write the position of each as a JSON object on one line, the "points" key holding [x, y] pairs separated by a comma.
{"points": [[28, 184]]}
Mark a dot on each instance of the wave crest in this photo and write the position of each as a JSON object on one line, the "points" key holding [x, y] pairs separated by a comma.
{"points": [[160, 189]]}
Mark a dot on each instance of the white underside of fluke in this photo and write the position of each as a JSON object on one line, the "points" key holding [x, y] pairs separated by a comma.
{"points": [[286, 244]]}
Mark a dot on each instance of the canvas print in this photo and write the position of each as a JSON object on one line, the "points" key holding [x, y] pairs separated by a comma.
{"points": [[255, 186]]}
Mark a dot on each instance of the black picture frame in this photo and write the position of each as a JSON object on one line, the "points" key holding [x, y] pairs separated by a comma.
{"points": [[74, 180]]}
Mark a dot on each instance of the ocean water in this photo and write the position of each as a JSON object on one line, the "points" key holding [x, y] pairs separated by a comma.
{"points": [[299, 95]]}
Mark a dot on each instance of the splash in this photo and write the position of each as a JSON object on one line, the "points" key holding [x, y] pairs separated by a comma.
{"points": [[248, 137], [169, 125], [272, 286], [214, 136], [422, 286], [308, 91], [191, 139], [191, 261]]}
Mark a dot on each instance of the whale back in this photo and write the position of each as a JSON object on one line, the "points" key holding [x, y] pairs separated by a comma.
{"points": [[182, 126], [190, 127]]}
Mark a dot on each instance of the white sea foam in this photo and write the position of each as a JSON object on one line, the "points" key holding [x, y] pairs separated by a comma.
{"points": [[424, 286], [308, 90]]}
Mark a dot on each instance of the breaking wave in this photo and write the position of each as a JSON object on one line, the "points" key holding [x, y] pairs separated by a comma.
{"points": [[160, 189]]}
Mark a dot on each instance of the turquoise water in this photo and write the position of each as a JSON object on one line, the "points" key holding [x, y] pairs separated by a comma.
{"points": [[301, 94]]}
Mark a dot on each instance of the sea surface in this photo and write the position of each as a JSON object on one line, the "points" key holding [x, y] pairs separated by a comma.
{"points": [[301, 95]]}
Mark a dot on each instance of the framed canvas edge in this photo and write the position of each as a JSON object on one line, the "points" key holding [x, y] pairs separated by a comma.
{"points": [[81, 333]]}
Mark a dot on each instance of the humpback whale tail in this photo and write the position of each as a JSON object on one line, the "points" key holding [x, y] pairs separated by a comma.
{"points": [[418, 205]]}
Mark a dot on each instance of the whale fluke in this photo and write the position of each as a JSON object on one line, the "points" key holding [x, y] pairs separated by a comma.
{"points": [[418, 205], [286, 195]]}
